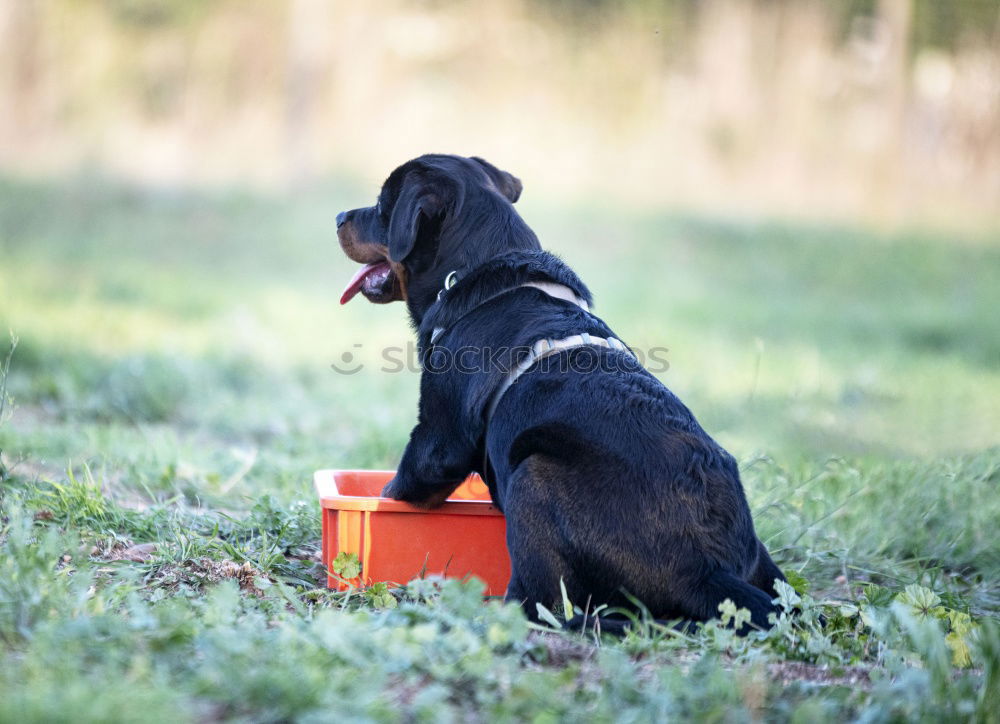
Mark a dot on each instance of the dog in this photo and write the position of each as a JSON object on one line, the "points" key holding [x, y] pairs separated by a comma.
{"points": [[608, 483]]}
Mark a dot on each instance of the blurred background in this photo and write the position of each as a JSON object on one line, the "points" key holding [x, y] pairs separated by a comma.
{"points": [[800, 200], [886, 110]]}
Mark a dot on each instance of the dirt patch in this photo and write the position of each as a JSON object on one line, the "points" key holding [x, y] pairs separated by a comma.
{"points": [[561, 650], [787, 672], [139, 553], [205, 570]]}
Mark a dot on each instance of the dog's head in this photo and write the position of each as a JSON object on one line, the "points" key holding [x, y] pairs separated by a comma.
{"points": [[435, 214]]}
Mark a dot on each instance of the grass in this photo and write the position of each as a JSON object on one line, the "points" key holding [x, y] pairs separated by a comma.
{"points": [[172, 392]]}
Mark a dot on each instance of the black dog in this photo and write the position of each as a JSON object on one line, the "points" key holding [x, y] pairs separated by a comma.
{"points": [[606, 479]]}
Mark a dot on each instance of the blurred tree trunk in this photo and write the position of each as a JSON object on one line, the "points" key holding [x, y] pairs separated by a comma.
{"points": [[307, 39], [20, 50], [891, 166]]}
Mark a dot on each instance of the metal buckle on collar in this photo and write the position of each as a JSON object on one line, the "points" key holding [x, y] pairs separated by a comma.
{"points": [[449, 282]]}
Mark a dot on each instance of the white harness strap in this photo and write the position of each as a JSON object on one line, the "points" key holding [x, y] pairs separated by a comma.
{"points": [[544, 348]]}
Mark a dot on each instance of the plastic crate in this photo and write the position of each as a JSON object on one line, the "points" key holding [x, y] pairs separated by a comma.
{"points": [[397, 542]]}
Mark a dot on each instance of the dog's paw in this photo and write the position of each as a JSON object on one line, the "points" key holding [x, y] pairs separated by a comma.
{"points": [[417, 497], [391, 490]]}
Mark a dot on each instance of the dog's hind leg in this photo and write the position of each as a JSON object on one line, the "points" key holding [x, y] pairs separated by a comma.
{"points": [[518, 593], [766, 572], [702, 600], [535, 580], [534, 542]]}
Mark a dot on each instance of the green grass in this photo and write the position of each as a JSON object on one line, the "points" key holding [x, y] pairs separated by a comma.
{"points": [[172, 385]]}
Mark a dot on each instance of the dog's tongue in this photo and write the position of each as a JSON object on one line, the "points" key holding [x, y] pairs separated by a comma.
{"points": [[358, 280]]}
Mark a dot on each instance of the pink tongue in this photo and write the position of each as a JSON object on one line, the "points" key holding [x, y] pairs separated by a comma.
{"points": [[354, 286]]}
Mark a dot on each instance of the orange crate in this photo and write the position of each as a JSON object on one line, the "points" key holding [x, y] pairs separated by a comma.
{"points": [[397, 542]]}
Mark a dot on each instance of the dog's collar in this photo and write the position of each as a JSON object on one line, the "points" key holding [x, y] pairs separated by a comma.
{"points": [[473, 287], [543, 347], [559, 291]]}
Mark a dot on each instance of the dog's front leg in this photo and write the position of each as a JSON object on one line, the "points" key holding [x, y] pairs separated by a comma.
{"points": [[436, 461]]}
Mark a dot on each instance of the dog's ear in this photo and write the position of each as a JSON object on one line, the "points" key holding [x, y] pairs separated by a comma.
{"points": [[417, 204], [508, 184]]}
